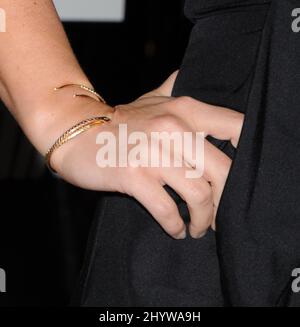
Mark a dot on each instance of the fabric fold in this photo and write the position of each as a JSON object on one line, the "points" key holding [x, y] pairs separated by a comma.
{"points": [[259, 214]]}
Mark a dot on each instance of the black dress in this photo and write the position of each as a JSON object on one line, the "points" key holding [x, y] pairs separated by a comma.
{"points": [[242, 54]]}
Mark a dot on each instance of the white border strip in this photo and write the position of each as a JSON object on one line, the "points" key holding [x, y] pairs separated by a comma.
{"points": [[91, 10]]}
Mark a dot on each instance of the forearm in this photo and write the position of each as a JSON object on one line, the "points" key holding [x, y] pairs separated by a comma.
{"points": [[35, 57]]}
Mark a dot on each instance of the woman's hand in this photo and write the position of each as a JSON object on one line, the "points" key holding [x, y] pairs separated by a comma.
{"points": [[43, 59], [157, 111]]}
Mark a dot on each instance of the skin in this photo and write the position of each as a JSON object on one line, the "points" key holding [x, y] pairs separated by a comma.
{"points": [[35, 57]]}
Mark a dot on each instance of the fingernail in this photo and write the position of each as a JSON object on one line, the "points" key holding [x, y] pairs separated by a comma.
{"points": [[182, 235]]}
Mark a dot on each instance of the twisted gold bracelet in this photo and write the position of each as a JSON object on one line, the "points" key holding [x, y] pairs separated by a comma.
{"points": [[73, 132], [81, 126]]}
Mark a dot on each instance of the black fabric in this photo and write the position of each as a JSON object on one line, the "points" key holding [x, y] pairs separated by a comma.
{"points": [[242, 55]]}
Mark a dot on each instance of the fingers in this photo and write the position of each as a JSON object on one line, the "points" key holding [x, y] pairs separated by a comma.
{"points": [[202, 194], [159, 203], [216, 168], [167, 86], [198, 195], [211, 165], [219, 122], [206, 188]]}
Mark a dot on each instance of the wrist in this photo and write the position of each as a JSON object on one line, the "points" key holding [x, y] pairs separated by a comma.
{"points": [[57, 113]]}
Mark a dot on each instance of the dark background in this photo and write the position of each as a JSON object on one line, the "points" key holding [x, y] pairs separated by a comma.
{"points": [[44, 221]]}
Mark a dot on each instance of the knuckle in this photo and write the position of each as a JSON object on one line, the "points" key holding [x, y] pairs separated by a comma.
{"points": [[165, 210], [200, 226], [188, 104], [181, 103], [185, 100], [201, 195], [174, 227], [166, 122]]}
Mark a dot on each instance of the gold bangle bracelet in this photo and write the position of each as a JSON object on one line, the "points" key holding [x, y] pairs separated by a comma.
{"points": [[86, 88], [73, 132]]}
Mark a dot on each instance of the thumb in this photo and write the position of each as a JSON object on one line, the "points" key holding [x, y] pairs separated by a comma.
{"points": [[165, 89]]}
